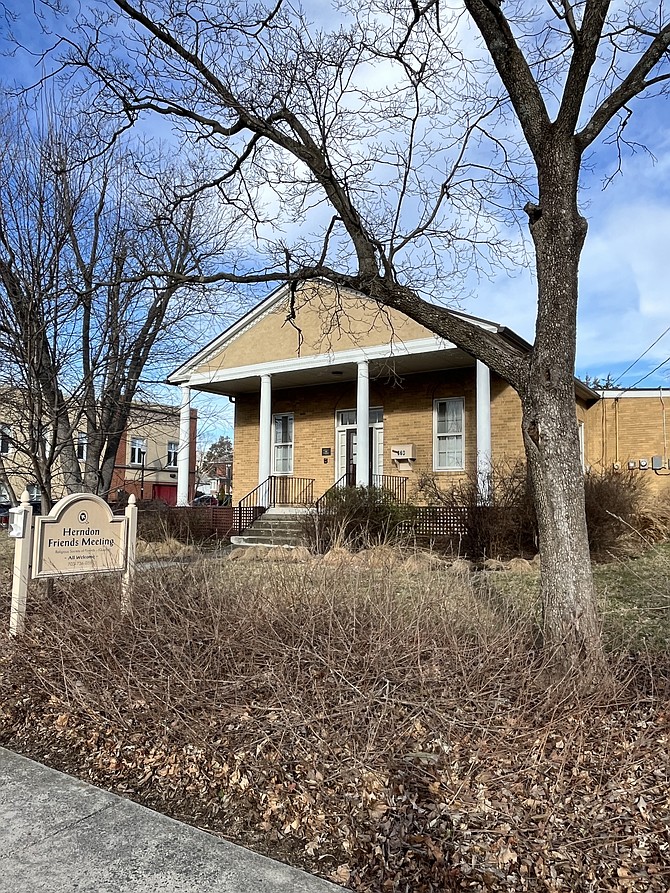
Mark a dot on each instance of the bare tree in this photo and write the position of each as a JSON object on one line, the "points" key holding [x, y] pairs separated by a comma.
{"points": [[423, 164], [81, 318]]}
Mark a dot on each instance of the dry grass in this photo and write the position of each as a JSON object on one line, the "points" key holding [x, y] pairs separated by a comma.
{"points": [[394, 731]]}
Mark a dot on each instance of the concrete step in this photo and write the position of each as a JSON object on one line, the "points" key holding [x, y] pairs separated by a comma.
{"points": [[279, 526], [247, 539], [275, 527]]}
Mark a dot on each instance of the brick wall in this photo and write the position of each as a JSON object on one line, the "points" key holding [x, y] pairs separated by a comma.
{"points": [[630, 428], [634, 423], [408, 418], [506, 438]]}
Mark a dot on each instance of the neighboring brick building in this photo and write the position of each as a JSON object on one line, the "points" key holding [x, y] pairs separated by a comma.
{"points": [[304, 371], [146, 460]]}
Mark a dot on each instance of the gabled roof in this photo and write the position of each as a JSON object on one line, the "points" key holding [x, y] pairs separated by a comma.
{"points": [[281, 298], [275, 297], [234, 354]]}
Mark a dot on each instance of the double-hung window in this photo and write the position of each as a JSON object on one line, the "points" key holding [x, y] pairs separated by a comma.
{"points": [[5, 440], [448, 439], [34, 492], [172, 450], [282, 447], [138, 450], [82, 443]]}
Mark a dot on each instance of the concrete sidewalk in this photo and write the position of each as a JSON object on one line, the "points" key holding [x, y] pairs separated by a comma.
{"points": [[59, 834]]}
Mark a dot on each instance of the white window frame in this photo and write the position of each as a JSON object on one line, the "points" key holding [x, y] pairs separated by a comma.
{"points": [[138, 445], [437, 437], [81, 446], [291, 443], [34, 491], [172, 453], [5, 440]]}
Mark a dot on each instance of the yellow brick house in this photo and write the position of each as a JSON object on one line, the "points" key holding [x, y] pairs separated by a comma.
{"points": [[321, 377]]}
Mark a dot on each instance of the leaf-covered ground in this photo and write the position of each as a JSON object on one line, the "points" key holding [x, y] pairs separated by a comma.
{"points": [[384, 726]]}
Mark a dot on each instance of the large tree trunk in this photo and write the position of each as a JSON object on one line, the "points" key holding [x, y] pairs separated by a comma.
{"points": [[570, 624]]}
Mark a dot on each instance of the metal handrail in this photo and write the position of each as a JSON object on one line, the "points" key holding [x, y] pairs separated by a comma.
{"points": [[339, 483], [393, 484], [275, 489], [247, 507]]}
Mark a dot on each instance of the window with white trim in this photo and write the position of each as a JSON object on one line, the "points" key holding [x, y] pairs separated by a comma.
{"points": [[172, 451], [5, 440], [138, 450], [34, 492], [346, 418], [282, 443], [82, 444], [448, 434]]}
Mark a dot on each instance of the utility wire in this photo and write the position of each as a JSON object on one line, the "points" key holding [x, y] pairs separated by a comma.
{"points": [[655, 369], [635, 362]]}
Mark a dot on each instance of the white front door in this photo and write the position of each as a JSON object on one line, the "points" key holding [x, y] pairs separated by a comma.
{"points": [[346, 449]]}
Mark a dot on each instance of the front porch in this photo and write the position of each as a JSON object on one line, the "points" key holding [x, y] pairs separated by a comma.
{"points": [[290, 496], [343, 395]]}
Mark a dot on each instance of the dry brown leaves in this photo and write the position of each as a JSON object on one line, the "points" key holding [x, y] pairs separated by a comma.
{"points": [[385, 756]]}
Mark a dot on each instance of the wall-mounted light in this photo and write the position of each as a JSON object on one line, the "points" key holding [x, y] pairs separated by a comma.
{"points": [[18, 522]]}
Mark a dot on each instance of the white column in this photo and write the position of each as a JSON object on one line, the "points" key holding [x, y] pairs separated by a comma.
{"points": [[184, 453], [483, 377], [363, 425], [265, 430]]}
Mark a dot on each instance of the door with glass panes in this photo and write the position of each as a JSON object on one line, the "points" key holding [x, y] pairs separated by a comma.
{"points": [[346, 446]]}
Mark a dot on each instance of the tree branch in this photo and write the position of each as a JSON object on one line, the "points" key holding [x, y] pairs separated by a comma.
{"points": [[514, 71], [634, 84]]}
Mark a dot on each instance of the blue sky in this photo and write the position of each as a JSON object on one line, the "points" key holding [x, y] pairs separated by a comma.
{"points": [[624, 303]]}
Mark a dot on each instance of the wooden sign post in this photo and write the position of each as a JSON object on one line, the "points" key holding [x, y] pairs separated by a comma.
{"points": [[80, 535]]}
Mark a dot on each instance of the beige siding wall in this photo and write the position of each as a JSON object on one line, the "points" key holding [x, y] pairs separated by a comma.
{"points": [[322, 323]]}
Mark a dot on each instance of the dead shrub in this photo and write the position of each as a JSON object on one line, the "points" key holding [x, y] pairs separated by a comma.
{"points": [[356, 518], [386, 729], [502, 527], [505, 527], [614, 503]]}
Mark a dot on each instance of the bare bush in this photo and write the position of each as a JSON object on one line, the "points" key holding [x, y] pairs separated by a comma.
{"points": [[381, 728], [356, 518], [497, 518], [614, 506]]}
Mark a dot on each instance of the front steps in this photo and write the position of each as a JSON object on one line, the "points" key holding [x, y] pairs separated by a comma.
{"points": [[279, 526]]}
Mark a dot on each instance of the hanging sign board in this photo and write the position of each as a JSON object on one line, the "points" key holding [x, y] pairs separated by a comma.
{"points": [[80, 535]]}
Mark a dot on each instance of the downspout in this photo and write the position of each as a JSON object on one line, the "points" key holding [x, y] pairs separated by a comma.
{"points": [[665, 439], [616, 429]]}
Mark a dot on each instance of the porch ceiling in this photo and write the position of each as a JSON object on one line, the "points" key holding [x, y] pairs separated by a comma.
{"points": [[401, 365]]}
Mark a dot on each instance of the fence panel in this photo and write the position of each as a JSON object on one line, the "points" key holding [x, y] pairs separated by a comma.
{"points": [[438, 520]]}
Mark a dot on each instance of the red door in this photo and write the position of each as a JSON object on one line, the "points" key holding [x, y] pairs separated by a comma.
{"points": [[166, 492]]}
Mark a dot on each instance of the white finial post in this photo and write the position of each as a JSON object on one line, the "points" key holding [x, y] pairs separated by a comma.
{"points": [[21, 529], [131, 543]]}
